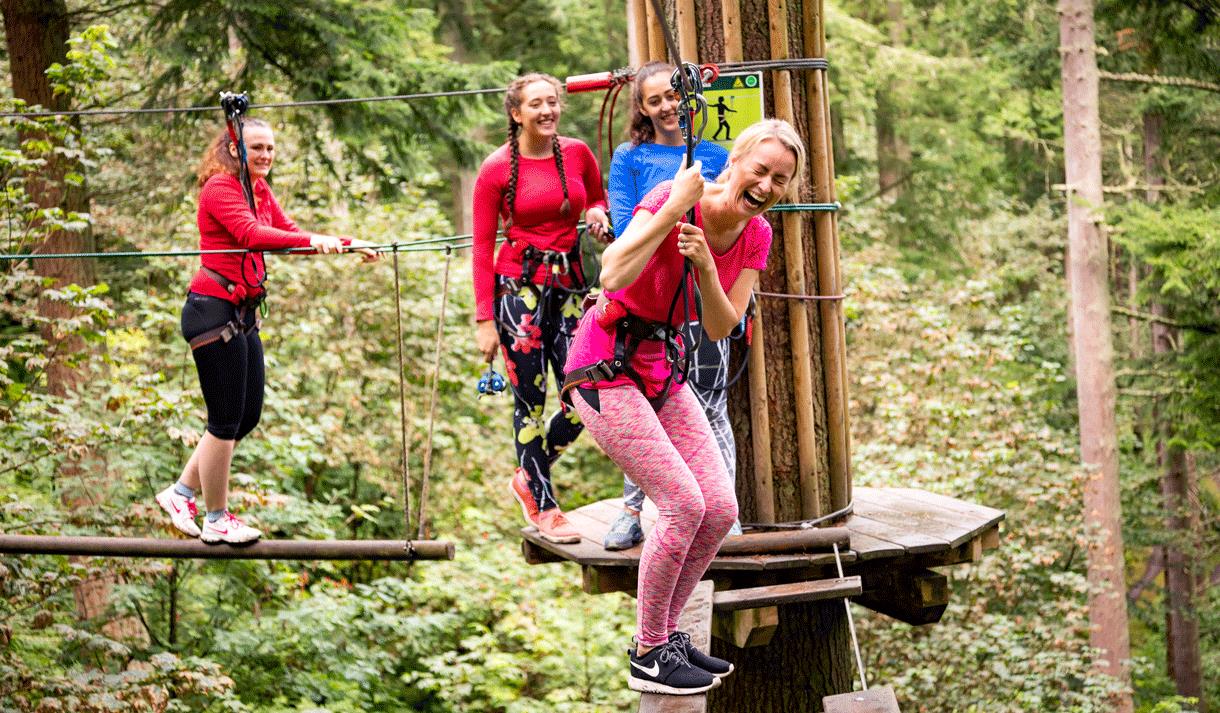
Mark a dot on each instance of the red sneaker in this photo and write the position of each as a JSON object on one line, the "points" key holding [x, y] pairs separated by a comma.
{"points": [[551, 524]]}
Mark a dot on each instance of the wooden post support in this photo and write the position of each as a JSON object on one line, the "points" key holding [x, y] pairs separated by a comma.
{"points": [[730, 19], [760, 420], [696, 620], [825, 231], [656, 35], [603, 580], [688, 33], [880, 699], [794, 262], [637, 33], [745, 628]]}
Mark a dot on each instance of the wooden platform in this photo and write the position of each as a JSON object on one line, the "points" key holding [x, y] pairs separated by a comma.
{"points": [[914, 527], [896, 534]]}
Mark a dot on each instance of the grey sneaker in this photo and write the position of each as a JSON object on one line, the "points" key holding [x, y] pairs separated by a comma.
{"points": [[624, 532], [735, 530]]}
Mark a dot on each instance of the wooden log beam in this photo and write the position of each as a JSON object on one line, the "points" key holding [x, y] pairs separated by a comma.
{"points": [[730, 19], [746, 628], [363, 550], [760, 417], [637, 32], [825, 231], [762, 543], [688, 32], [604, 580], [915, 597], [656, 34], [793, 593], [538, 555], [794, 264]]}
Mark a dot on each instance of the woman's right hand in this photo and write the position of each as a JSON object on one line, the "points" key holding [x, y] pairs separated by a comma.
{"points": [[326, 243], [687, 188], [487, 339]]}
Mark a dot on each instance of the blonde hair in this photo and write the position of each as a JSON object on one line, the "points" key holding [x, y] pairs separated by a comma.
{"points": [[770, 130]]}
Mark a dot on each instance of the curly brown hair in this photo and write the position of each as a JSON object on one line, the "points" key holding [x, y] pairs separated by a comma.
{"points": [[641, 129], [512, 100], [217, 159]]}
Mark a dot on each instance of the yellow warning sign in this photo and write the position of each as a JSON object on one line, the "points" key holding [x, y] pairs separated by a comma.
{"points": [[734, 101]]}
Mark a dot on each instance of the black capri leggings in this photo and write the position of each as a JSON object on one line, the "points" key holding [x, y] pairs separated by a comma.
{"points": [[230, 373]]}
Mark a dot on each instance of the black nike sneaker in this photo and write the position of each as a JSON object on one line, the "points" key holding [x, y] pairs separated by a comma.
{"points": [[666, 669], [711, 664]]}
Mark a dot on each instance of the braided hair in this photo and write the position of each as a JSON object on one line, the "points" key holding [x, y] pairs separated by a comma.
{"points": [[512, 100], [641, 128]]}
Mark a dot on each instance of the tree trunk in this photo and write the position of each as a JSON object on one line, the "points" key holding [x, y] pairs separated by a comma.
{"points": [[1094, 349], [37, 36], [811, 639], [1178, 490], [893, 153]]}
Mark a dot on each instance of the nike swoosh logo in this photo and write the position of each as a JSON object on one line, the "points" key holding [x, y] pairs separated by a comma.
{"points": [[654, 671], [225, 532], [174, 505]]}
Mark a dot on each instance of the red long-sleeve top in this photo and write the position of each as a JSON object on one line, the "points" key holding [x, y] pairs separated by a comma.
{"points": [[225, 222], [537, 220]]}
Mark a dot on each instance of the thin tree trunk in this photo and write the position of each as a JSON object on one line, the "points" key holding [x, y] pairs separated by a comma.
{"points": [[893, 152], [1094, 348], [1178, 489]]}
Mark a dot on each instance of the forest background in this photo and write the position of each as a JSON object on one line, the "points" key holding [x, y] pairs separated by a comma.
{"points": [[948, 139]]}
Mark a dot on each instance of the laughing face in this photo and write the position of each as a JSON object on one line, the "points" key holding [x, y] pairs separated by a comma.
{"points": [[260, 150], [759, 179], [539, 112], [659, 102]]}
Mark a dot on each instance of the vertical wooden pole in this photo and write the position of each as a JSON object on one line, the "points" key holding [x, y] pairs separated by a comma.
{"points": [[656, 35], [834, 347], [730, 16], [794, 262], [637, 33], [688, 33], [760, 422]]}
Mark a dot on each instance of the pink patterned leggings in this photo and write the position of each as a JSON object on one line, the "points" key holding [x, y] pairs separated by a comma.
{"points": [[674, 458]]}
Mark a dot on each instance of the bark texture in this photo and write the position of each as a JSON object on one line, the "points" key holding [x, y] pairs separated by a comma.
{"points": [[809, 657], [1090, 309]]}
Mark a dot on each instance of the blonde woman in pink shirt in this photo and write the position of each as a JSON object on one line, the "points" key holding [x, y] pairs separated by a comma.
{"points": [[620, 378]]}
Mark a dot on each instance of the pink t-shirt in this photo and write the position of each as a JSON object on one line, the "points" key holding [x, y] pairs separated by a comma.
{"points": [[650, 295]]}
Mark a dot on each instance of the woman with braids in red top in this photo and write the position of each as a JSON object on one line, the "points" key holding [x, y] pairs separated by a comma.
{"points": [[220, 322], [528, 297]]}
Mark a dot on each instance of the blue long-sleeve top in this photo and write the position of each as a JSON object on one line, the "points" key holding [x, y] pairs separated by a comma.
{"points": [[636, 169]]}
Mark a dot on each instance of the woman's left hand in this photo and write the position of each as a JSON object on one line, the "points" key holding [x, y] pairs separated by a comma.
{"points": [[364, 247], [598, 224], [692, 244]]}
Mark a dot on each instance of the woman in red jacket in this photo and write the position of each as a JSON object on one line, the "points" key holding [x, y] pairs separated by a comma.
{"points": [[220, 321], [527, 298]]}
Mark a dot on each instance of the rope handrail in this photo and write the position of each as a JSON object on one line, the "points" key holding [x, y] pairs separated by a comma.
{"points": [[437, 244], [814, 63]]}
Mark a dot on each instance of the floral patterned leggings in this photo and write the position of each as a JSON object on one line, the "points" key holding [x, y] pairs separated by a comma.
{"points": [[674, 457], [531, 338]]}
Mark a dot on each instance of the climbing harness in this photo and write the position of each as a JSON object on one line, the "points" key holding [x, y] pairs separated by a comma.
{"points": [[630, 332]]}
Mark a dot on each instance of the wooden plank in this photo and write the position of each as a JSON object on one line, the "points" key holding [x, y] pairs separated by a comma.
{"points": [[912, 542], [696, 620], [930, 518], [944, 527], [868, 548], [536, 555], [878, 699], [944, 502], [584, 552], [745, 628], [776, 594]]}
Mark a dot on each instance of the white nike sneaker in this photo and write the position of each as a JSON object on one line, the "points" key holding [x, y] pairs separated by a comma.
{"points": [[228, 529], [181, 510]]}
